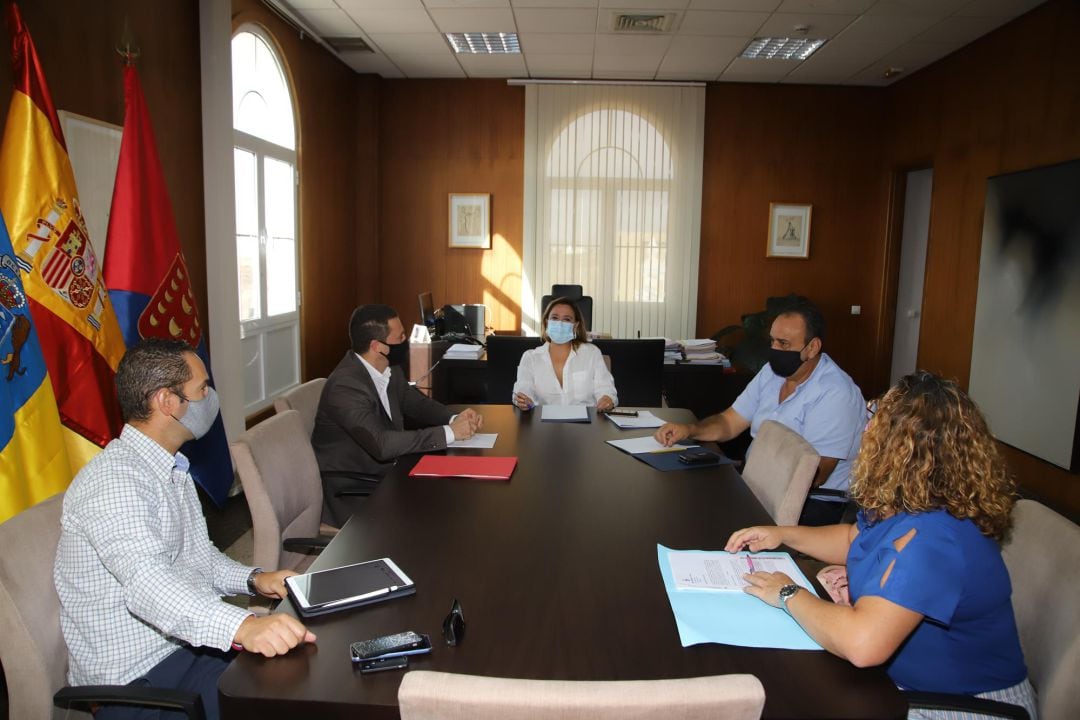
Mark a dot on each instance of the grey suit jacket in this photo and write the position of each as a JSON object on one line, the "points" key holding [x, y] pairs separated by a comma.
{"points": [[352, 431]]}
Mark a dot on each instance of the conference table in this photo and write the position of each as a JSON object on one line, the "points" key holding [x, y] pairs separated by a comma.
{"points": [[557, 576]]}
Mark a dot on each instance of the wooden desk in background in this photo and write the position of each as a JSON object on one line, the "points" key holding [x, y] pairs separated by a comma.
{"points": [[557, 575]]}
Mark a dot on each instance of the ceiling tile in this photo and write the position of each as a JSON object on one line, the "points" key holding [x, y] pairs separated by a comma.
{"points": [[391, 21], [474, 20], [736, 5], [834, 7], [887, 32], [626, 65], [348, 5], [467, 3], [743, 70], [685, 77], [705, 48], [371, 63], [941, 8], [561, 65], [391, 43], [630, 45], [960, 30], [821, 26], [314, 4], [553, 20], [332, 23], [848, 58], [695, 66], [555, 3], [428, 65], [998, 8], [493, 65], [798, 77], [734, 24], [910, 57], [645, 4], [551, 43]]}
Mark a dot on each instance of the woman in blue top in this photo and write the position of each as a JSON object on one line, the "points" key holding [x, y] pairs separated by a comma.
{"points": [[930, 594]]}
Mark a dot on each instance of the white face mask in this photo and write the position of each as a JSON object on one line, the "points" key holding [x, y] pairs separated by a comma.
{"points": [[560, 331], [201, 414]]}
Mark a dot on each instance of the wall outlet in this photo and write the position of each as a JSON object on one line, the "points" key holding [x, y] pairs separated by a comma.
{"points": [[856, 309]]}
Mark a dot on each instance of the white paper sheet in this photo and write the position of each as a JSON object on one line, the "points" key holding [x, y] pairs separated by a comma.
{"points": [[644, 419], [484, 441], [564, 413], [724, 571], [645, 444]]}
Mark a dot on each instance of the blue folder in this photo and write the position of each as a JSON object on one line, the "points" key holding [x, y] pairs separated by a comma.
{"points": [[667, 461]]}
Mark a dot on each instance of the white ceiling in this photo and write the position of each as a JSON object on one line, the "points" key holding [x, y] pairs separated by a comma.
{"points": [[573, 38]]}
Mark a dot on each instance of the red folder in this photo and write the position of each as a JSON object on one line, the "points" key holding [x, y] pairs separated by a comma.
{"points": [[481, 467]]}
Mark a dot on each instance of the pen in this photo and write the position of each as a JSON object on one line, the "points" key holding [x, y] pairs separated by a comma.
{"points": [[750, 563]]}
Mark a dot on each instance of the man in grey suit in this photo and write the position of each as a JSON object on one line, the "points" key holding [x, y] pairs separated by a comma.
{"points": [[360, 424]]}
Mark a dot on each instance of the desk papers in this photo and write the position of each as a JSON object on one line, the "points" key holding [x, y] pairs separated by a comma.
{"points": [[724, 571], [464, 351], [646, 444], [481, 441], [480, 467], [564, 413], [644, 419], [731, 617]]}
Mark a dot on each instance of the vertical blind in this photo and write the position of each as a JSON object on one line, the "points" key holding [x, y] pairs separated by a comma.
{"points": [[613, 203]]}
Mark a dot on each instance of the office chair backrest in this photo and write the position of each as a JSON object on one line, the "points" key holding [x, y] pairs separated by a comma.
{"points": [[780, 468], [1043, 556], [32, 648], [583, 302], [428, 695], [280, 475], [570, 291], [303, 398], [503, 357], [638, 369]]}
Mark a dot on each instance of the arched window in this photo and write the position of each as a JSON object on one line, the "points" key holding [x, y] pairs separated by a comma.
{"points": [[613, 203], [264, 156]]}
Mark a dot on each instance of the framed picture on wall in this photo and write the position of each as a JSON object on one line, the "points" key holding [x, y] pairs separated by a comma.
{"points": [[470, 215], [789, 231]]}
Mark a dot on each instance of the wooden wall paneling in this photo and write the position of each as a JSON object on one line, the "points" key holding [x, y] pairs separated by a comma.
{"points": [[439, 137], [802, 145], [326, 94], [76, 43], [1007, 102]]}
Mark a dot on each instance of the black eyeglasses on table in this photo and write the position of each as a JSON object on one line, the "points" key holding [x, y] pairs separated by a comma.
{"points": [[453, 627]]}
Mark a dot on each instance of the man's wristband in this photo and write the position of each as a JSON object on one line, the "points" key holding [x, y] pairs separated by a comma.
{"points": [[252, 590]]}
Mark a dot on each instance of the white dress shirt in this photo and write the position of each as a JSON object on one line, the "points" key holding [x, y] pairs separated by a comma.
{"points": [[585, 379], [136, 572], [382, 382]]}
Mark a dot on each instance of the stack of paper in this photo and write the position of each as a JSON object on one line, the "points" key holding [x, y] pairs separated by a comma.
{"points": [[644, 419], [564, 413], [464, 351], [672, 350], [702, 352]]}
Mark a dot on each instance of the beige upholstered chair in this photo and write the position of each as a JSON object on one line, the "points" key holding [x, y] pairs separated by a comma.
{"points": [[304, 399], [426, 695], [1043, 557], [780, 469], [32, 649], [280, 475]]}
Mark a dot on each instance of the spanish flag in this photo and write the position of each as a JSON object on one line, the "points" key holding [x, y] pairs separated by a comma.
{"points": [[80, 338]]}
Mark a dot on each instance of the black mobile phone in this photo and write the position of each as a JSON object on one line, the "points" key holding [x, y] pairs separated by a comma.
{"points": [[621, 413], [403, 643], [387, 663], [696, 457]]}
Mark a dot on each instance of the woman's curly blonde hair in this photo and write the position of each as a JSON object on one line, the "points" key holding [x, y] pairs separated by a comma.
{"points": [[928, 447]]}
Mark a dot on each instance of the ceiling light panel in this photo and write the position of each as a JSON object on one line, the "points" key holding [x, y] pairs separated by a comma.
{"points": [[485, 43], [781, 48]]}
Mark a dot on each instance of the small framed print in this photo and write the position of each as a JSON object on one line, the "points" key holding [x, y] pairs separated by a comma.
{"points": [[789, 231], [470, 215]]}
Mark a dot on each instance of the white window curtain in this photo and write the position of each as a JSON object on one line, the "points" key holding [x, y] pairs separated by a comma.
{"points": [[613, 203]]}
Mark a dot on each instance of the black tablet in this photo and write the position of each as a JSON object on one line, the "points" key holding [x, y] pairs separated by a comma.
{"points": [[347, 587]]}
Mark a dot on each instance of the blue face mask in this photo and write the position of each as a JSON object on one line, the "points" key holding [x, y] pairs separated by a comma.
{"points": [[560, 332]]}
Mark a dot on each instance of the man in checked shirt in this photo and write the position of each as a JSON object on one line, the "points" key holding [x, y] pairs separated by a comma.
{"points": [[140, 583]]}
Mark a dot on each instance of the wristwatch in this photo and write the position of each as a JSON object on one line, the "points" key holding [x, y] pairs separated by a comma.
{"points": [[786, 593], [252, 590]]}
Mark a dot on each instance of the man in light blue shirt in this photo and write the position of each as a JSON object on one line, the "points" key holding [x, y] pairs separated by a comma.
{"points": [[802, 388]]}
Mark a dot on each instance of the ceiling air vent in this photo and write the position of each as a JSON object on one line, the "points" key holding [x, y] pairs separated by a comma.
{"points": [[349, 44], [647, 23]]}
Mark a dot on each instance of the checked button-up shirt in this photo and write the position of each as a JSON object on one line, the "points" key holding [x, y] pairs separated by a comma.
{"points": [[135, 569]]}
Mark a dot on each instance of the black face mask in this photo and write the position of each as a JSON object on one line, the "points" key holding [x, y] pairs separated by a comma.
{"points": [[785, 362], [398, 353]]}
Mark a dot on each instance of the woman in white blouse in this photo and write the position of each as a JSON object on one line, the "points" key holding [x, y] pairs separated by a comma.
{"points": [[565, 370]]}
